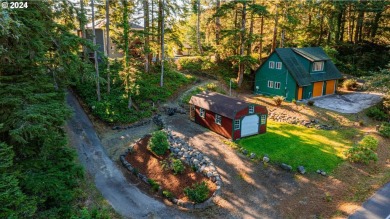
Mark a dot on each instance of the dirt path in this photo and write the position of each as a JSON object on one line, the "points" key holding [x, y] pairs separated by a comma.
{"points": [[124, 197], [249, 190]]}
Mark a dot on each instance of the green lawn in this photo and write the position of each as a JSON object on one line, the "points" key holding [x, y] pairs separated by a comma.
{"points": [[297, 145]]}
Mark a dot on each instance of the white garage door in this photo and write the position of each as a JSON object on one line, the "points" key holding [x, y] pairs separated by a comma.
{"points": [[250, 125]]}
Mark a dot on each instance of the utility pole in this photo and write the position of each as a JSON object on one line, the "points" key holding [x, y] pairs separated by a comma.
{"points": [[162, 45]]}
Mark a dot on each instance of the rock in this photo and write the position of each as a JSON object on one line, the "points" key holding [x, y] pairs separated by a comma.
{"points": [[265, 159], [318, 171], [245, 152], [323, 173], [253, 156], [286, 167], [195, 162], [116, 128], [301, 170]]}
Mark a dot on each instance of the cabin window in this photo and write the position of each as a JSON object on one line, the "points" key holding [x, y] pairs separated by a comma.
{"points": [[237, 124], [263, 119], [218, 119], [251, 109], [277, 85], [201, 112], [270, 84], [278, 65], [318, 66], [271, 64]]}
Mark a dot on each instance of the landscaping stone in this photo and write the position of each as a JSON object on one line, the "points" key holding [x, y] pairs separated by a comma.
{"points": [[253, 156], [245, 152], [286, 167], [265, 159], [301, 170]]}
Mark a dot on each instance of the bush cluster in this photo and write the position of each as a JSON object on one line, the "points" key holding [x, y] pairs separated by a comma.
{"points": [[384, 129], [155, 186], [198, 192], [278, 100], [364, 151], [158, 143], [350, 84], [173, 164], [377, 114]]}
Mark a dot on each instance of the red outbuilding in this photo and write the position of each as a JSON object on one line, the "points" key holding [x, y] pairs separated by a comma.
{"points": [[227, 116]]}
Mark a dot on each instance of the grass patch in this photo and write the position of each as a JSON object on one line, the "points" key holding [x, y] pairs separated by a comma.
{"points": [[298, 145]]}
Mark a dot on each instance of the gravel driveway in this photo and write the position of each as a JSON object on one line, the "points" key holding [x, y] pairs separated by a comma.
{"points": [[124, 197], [249, 190], [347, 103]]}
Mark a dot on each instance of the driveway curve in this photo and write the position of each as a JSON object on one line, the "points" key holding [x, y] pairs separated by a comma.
{"points": [[125, 198]]}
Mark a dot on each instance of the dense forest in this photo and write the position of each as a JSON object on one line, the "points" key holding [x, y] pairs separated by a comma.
{"points": [[41, 55]]}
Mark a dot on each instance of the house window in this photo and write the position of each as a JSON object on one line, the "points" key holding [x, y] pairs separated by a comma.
{"points": [[237, 124], [318, 66], [202, 112], [263, 119], [251, 109], [271, 64], [270, 84], [278, 65], [277, 85], [218, 119]]}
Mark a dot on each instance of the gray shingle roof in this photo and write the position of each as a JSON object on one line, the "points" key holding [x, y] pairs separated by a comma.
{"points": [[299, 72], [218, 103]]}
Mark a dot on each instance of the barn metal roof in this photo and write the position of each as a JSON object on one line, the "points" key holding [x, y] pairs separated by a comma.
{"points": [[301, 75], [218, 103]]}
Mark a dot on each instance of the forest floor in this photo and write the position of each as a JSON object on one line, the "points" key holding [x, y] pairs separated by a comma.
{"points": [[252, 190]]}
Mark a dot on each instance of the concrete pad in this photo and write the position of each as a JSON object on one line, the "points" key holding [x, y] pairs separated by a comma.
{"points": [[347, 103]]}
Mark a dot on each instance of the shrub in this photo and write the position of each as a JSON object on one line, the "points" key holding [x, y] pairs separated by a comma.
{"points": [[198, 193], [377, 114], [211, 87], [155, 186], [167, 194], [384, 130], [310, 103], [350, 84], [278, 100], [363, 152], [177, 166], [158, 143]]}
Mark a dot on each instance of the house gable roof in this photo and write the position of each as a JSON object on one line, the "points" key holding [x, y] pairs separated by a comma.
{"points": [[289, 56], [218, 103], [298, 72]]}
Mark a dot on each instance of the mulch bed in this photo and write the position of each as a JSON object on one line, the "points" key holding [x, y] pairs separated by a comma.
{"points": [[149, 165]]}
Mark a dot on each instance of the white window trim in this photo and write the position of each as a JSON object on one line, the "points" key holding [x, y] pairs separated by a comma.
{"points": [[263, 119], [276, 85], [237, 124], [202, 113], [278, 65], [218, 117], [251, 109], [270, 84], [321, 65], [271, 64]]}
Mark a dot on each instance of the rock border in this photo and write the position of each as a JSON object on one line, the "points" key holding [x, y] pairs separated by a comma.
{"points": [[192, 157]]}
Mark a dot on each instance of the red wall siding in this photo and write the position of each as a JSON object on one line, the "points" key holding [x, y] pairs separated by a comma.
{"points": [[237, 134], [225, 129]]}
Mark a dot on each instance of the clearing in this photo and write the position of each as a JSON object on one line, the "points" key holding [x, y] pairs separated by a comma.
{"points": [[300, 146]]}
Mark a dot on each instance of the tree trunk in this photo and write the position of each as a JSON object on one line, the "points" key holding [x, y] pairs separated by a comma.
{"points": [[241, 67], [126, 39], [273, 47], [83, 35], [359, 23], [375, 24], [249, 48], [338, 25], [350, 23], [108, 49], [321, 30], [162, 45], [158, 55], [217, 33], [95, 53], [146, 35], [198, 28], [261, 38]]}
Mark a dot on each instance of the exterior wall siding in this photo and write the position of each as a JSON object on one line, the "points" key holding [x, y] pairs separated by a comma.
{"points": [[225, 129]]}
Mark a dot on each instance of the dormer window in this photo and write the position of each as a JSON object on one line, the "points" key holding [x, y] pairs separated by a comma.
{"points": [[318, 66]]}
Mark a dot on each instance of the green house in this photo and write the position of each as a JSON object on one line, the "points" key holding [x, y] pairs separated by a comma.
{"points": [[297, 73]]}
